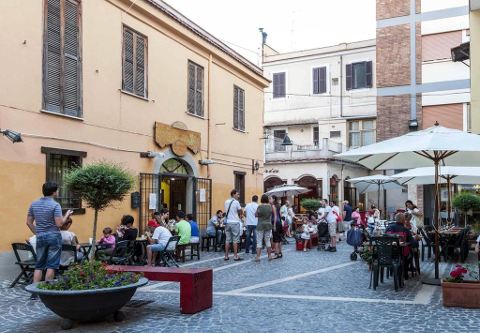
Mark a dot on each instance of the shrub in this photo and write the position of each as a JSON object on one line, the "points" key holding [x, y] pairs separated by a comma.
{"points": [[310, 204], [466, 201]]}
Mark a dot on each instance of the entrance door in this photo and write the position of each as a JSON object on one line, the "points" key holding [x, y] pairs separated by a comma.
{"points": [[178, 195]]}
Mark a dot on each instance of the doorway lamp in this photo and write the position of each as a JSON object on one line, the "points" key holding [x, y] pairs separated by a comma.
{"points": [[12, 135], [255, 166]]}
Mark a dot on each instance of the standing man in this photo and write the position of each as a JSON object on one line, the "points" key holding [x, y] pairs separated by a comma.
{"points": [[331, 219], [44, 219], [252, 220], [347, 216], [233, 224]]}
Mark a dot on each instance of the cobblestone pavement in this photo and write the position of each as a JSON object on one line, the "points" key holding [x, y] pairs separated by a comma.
{"points": [[303, 292]]}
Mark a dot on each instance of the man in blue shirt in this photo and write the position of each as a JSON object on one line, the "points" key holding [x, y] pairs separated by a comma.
{"points": [[195, 237], [44, 220]]}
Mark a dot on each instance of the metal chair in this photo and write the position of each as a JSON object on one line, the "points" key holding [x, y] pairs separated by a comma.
{"points": [[122, 254], [26, 258], [166, 257], [426, 243]]}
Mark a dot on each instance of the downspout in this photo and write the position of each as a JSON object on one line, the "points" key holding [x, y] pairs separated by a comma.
{"points": [[341, 86], [209, 117]]}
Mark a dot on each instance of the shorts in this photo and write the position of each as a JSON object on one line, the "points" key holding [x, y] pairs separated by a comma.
{"points": [[261, 235], [332, 228], [157, 247], [278, 233], [232, 233], [194, 239], [49, 250]]}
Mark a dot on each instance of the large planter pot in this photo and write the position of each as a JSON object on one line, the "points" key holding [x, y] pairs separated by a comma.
{"points": [[86, 305], [465, 294]]}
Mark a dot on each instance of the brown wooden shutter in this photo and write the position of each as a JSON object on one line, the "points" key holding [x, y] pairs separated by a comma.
{"points": [[191, 88], [53, 61], [349, 76], [128, 60], [322, 80], [368, 74], [140, 66], [235, 107], [199, 91], [71, 95], [316, 83]]}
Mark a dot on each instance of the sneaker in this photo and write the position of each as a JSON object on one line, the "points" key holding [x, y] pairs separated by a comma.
{"points": [[332, 249], [33, 297]]}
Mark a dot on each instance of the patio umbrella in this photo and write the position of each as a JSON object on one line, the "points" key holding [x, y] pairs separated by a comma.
{"points": [[447, 175], [375, 183], [287, 190], [435, 145]]}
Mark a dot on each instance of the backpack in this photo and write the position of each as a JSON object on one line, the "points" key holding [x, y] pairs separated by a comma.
{"points": [[322, 229]]}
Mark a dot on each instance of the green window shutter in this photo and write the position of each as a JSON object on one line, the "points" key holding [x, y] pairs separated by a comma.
{"points": [[241, 110], [235, 107], [199, 91], [140, 46], [191, 88]]}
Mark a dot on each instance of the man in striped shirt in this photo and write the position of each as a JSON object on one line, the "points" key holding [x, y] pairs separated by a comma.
{"points": [[44, 220]]}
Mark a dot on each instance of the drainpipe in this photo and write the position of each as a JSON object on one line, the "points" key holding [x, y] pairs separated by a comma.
{"points": [[209, 117], [341, 86]]}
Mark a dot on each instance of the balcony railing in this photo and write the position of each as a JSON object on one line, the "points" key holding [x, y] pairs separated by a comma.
{"points": [[323, 150]]}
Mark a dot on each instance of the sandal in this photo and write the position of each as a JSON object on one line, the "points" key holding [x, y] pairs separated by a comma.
{"points": [[237, 259], [226, 259], [257, 259]]}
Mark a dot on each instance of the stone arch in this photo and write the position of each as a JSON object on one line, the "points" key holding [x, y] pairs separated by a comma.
{"points": [[187, 160]]}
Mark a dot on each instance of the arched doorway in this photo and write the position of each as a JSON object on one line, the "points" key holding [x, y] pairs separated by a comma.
{"points": [[315, 187], [272, 182], [350, 193], [174, 184], [334, 180]]}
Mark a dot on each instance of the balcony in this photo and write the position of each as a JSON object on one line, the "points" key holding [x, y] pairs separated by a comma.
{"points": [[325, 149]]}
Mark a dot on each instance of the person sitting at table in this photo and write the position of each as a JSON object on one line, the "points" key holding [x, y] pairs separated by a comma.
{"points": [[69, 238], [195, 232], [398, 228], [106, 244], [212, 225], [158, 242], [183, 228], [159, 218], [126, 231]]}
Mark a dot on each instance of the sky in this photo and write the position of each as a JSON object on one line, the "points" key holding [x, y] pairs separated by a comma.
{"points": [[290, 24]]}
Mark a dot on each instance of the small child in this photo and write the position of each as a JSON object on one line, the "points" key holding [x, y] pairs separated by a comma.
{"points": [[108, 239], [307, 229]]}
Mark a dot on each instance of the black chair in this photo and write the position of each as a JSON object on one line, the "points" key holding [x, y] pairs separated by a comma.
{"points": [[194, 250], [166, 257], [122, 254], [26, 258], [386, 254], [426, 244], [72, 250], [206, 240]]}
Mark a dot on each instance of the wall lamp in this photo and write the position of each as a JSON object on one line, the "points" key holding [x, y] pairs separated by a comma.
{"points": [[461, 53], [12, 135], [413, 124], [206, 162], [151, 154], [255, 166]]}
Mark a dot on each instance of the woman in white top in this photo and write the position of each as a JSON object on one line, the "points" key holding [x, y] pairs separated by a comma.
{"points": [[69, 238], [417, 216]]}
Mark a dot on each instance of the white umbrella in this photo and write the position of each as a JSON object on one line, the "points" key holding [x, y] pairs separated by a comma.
{"points": [[374, 183], [287, 190], [447, 175], [435, 145]]}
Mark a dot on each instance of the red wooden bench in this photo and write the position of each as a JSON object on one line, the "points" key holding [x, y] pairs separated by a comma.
{"points": [[196, 291]]}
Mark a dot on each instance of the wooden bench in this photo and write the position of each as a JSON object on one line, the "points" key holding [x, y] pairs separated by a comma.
{"points": [[196, 284]]}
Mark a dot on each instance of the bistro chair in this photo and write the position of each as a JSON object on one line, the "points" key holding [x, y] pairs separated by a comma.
{"points": [[73, 254], [386, 254], [122, 254], [426, 244], [206, 240], [26, 258], [166, 257]]}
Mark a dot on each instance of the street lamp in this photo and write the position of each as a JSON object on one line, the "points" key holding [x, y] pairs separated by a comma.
{"points": [[12, 135]]}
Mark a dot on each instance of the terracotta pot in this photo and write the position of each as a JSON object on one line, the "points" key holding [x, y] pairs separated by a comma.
{"points": [[463, 295]]}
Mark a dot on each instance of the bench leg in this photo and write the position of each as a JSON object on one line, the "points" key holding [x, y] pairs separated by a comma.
{"points": [[196, 293]]}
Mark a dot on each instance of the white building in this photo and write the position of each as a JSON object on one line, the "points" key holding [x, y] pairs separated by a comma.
{"points": [[325, 101]]}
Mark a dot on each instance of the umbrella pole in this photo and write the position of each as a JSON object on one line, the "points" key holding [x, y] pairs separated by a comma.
{"points": [[449, 198], [378, 196], [435, 220]]}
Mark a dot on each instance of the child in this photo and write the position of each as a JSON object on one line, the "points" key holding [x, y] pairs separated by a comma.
{"points": [[307, 229], [107, 243]]}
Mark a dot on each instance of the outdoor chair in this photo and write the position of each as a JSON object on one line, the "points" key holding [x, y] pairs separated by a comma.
{"points": [[122, 254], [194, 250], [166, 257], [72, 250], [26, 258], [206, 240], [426, 244], [386, 254]]}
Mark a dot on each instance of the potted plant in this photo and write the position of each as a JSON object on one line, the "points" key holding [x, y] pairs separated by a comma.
{"points": [[87, 292], [311, 205], [99, 184], [466, 203], [462, 288]]}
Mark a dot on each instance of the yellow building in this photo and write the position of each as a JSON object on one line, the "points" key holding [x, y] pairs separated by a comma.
{"points": [[475, 64], [132, 82]]}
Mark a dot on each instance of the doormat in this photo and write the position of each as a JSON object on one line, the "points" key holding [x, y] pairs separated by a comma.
{"points": [[136, 303]]}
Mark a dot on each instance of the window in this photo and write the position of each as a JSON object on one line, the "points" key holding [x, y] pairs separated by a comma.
{"points": [[240, 185], [359, 75], [278, 136], [134, 62], [279, 88], [238, 108], [320, 80], [361, 133], [59, 162], [316, 136], [62, 63], [195, 89], [335, 134]]}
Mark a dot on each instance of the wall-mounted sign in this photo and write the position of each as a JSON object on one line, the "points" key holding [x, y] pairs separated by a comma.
{"points": [[152, 202], [203, 195], [179, 139]]}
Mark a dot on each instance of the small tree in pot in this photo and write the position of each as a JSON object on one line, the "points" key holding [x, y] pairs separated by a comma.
{"points": [[311, 205], [99, 184], [466, 203]]}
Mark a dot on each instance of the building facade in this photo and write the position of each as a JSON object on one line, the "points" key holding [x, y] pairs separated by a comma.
{"points": [[133, 82], [475, 64], [324, 100], [418, 88]]}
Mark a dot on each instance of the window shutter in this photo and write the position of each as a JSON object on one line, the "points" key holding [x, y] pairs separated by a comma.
{"points": [[199, 91], [278, 85], [128, 61], [275, 85], [72, 60], [53, 66], [316, 83], [140, 66], [191, 88], [241, 109], [282, 88], [349, 76], [235, 107], [322, 78], [368, 73]]}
